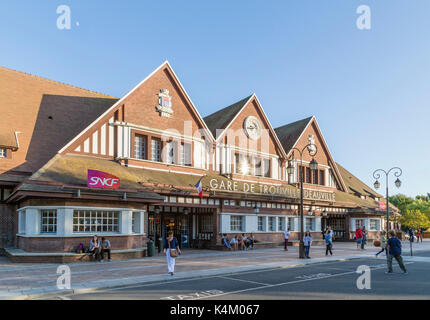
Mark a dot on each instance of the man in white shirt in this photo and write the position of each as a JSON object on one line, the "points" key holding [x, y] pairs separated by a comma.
{"points": [[286, 236]]}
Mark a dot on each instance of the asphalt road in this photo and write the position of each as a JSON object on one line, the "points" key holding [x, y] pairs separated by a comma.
{"points": [[331, 280]]}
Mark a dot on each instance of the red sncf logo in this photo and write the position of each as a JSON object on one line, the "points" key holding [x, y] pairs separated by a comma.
{"points": [[100, 179]]}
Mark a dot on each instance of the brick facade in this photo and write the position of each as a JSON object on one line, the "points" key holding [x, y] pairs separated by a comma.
{"points": [[53, 244], [109, 141]]}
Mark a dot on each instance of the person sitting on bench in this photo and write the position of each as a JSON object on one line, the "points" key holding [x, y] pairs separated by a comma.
{"points": [[251, 241], [105, 248], [94, 249], [225, 241]]}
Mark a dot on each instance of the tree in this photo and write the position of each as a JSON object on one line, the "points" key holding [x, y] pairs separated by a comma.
{"points": [[401, 201], [423, 198], [414, 219]]}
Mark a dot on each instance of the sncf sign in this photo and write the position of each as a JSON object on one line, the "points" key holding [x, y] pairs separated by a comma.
{"points": [[99, 179]]}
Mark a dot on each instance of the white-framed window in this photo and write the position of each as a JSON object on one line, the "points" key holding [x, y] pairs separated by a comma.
{"points": [[139, 146], [359, 223], [2, 153], [21, 222], [48, 221], [266, 168], [309, 224], [95, 221], [135, 221], [281, 223], [156, 150], [186, 154], [272, 224], [374, 224], [291, 223], [261, 223], [170, 154], [236, 223]]}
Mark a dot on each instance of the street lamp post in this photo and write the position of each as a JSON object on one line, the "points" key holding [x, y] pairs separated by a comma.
{"points": [[397, 173], [312, 149]]}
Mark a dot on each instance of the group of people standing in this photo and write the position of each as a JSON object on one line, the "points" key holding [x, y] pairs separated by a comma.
{"points": [[361, 237], [415, 235], [328, 236]]}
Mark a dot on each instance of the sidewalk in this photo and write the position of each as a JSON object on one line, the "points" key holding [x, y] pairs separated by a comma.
{"points": [[29, 281]]}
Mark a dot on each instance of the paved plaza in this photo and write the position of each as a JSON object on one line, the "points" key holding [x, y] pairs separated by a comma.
{"points": [[30, 281]]}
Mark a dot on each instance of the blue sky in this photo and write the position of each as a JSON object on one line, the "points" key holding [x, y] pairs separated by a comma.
{"points": [[369, 89]]}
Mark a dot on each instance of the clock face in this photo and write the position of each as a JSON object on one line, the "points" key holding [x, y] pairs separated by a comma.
{"points": [[252, 127]]}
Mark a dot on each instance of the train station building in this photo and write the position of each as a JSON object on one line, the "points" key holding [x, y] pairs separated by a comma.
{"points": [[74, 163]]}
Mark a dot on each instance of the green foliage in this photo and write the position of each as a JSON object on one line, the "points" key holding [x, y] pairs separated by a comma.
{"points": [[401, 201], [411, 208], [414, 219]]}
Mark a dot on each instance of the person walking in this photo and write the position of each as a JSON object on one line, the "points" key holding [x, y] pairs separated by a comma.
{"points": [[329, 242], [364, 239], [411, 234], [171, 249], [286, 236], [358, 237], [307, 240], [383, 244], [421, 234], [394, 248]]}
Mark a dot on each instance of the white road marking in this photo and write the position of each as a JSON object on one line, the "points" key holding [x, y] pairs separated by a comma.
{"points": [[249, 281], [416, 259], [289, 282], [379, 266]]}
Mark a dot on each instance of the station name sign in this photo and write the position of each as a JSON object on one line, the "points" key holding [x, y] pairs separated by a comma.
{"points": [[272, 190]]}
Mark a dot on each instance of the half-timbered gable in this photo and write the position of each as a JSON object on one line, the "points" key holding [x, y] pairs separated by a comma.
{"points": [[154, 125], [246, 142], [296, 136]]}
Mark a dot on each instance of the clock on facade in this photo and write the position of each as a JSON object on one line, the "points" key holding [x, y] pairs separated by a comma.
{"points": [[252, 127]]}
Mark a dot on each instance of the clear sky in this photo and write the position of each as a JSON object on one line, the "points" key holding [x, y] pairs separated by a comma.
{"points": [[369, 89]]}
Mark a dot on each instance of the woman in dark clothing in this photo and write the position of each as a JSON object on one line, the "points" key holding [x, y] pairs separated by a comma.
{"points": [[171, 249]]}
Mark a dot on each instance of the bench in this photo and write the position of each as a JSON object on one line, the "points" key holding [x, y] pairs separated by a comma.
{"points": [[19, 255], [257, 245]]}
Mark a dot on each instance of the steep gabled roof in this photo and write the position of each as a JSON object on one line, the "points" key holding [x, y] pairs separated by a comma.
{"points": [[46, 114], [355, 185], [290, 133], [165, 65], [221, 119]]}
